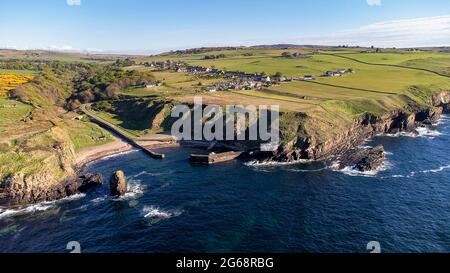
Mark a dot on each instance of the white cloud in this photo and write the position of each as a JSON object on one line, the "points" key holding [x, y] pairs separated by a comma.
{"points": [[60, 48], [427, 31], [374, 2], [73, 2]]}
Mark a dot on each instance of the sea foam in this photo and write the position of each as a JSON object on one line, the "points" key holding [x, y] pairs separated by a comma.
{"points": [[157, 214], [39, 207]]}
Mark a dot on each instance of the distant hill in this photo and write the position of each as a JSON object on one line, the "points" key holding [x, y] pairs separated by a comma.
{"points": [[47, 55], [287, 46]]}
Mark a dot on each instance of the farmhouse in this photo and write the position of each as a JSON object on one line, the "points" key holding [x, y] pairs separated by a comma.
{"points": [[153, 84], [338, 73], [308, 78], [328, 74]]}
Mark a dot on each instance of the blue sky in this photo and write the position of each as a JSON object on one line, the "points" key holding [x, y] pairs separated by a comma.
{"points": [[144, 26]]}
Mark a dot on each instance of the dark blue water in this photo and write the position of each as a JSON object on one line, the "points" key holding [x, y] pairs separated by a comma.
{"points": [[233, 207]]}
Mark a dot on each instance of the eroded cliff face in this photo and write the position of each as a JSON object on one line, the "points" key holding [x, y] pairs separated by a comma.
{"points": [[53, 177], [310, 148]]}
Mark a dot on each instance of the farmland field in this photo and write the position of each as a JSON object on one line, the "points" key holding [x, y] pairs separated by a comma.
{"points": [[379, 82]]}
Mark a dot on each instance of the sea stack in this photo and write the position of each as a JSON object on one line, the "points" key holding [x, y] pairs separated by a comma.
{"points": [[118, 184]]}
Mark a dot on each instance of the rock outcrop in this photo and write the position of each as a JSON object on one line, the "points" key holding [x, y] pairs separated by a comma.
{"points": [[20, 189], [364, 159], [90, 181], [118, 184]]}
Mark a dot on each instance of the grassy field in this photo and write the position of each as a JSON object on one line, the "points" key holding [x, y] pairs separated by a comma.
{"points": [[11, 112], [380, 82], [18, 72], [84, 135]]}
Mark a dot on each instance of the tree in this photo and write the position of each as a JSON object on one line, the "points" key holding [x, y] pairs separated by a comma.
{"points": [[86, 97], [75, 104], [112, 91]]}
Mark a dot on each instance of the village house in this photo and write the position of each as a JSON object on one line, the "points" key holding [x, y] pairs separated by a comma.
{"points": [[308, 78], [153, 84], [338, 73], [149, 85], [212, 89]]}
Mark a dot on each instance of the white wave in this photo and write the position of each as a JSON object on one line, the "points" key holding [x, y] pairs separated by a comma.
{"points": [[443, 120], [401, 134], [365, 146], [8, 213], [418, 132], [70, 198], [414, 173], [117, 155], [256, 163], [99, 199], [39, 207], [143, 173], [135, 189], [30, 209], [427, 132], [352, 171], [155, 213], [438, 170], [306, 171]]}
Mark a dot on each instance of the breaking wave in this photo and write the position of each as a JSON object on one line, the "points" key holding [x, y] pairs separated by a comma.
{"points": [[99, 199], [155, 214], [287, 166], [414, 173], [142, 174], [135, 189], [117, 155], [443, 120], [427, 132], [255, 163], [352, 171], [35, 208]]}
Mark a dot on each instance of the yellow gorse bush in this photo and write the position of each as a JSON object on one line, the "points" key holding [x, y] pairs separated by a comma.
{"points": [[10, 81]]}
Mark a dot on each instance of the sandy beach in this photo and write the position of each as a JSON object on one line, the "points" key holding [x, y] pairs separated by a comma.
{"points": [[117, 146]]}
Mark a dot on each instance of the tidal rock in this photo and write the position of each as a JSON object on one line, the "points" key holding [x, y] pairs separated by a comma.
{"points": [[364, 160], [118, 184], [89, 181]]}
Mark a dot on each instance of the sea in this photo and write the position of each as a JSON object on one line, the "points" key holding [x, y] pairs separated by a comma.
{"points": [[308, 207]]}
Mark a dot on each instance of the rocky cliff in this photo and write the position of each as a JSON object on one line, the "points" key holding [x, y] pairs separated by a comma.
{"points": [[310, 148], [44, 170]]}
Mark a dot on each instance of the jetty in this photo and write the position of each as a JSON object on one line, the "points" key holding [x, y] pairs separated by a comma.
{"points": [[214, 158], [127, 137]]}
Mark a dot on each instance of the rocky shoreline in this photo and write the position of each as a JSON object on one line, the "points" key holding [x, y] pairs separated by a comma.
{"points": [[406, 120], [20, 189]]}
